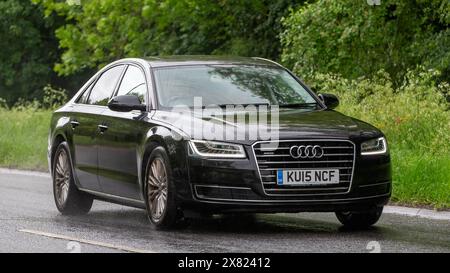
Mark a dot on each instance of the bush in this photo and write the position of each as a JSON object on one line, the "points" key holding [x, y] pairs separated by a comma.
{"points": [[26, 105], [53, 98], [414, 116], [3, 104], [354, 39]]}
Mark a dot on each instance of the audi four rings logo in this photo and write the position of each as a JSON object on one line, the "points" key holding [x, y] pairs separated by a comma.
{"points": [[308, 151]]}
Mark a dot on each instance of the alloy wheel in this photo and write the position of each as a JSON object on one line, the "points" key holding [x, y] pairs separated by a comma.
{"points": [[157, 187], [62, 177]]}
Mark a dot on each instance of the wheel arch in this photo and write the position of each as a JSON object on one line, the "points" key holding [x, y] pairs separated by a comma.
{"points": [[166, 138], [57, 140]]}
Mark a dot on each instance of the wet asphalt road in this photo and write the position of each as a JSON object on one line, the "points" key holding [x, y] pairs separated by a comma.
{"points": [[26, 202]]}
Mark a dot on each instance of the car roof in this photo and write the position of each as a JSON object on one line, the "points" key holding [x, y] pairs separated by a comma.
{"points": [[179, 60]]}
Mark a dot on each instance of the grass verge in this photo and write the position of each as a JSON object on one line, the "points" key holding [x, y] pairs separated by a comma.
{"points": [[23, 138]]}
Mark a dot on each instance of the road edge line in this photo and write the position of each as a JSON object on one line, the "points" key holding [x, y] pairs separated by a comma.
{"points": [[24, 172], [418, 212]]}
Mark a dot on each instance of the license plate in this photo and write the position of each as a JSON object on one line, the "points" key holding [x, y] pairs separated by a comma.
{"points": [[307, 177]]}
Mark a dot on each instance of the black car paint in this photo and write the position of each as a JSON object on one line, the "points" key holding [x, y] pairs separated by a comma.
{"points": [[109, 149]]}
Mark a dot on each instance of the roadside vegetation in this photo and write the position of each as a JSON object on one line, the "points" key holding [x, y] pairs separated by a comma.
{"points": [[24, 130], [23, 138], [388, 64], [416, 120]]}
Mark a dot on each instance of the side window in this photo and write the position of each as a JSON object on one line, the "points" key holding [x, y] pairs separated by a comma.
{"points": [[103, 88], [133, 83], [84, 96]]}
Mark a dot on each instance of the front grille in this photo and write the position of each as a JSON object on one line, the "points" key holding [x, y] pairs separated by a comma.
{"points": [[338, 154]]}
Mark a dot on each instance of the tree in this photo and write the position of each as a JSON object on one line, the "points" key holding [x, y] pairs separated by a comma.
{"points": [[28, 50]]}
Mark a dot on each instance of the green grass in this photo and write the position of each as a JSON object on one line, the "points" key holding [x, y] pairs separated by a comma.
{"points": [[23, 138], [421, 179]]}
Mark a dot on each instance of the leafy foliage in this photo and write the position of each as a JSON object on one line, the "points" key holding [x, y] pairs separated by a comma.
{"points": [[354, 39], [98, 32], [53, 97], [28, 50], [3, 104]]}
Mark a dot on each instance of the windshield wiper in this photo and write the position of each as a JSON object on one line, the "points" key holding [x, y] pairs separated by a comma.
{"points": [[238, 104], [299, 105], [292, 105]]}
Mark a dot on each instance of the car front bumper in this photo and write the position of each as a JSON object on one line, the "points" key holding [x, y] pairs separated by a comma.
{"points": [[270, 206], [231, 185]]}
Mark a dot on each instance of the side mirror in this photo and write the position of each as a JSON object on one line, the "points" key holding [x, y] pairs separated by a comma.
{"points": [[330, 100], [126, 103]]}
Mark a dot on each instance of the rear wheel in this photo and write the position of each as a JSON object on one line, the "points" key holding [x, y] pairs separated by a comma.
{"points": [[68, 199], [360, 219], [162, 208]]}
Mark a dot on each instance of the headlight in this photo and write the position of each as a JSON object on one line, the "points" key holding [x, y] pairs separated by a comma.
{"points": [[374, 146], [217, 149]]}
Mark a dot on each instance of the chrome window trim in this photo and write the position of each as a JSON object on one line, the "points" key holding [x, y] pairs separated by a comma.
{"points": [[141, 63]]}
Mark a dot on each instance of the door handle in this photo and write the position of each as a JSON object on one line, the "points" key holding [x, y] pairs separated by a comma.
{"points": [[102, 128], [74, 123]]}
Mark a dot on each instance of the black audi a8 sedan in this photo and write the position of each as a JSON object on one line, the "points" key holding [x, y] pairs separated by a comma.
{"points": [[177, 136]]}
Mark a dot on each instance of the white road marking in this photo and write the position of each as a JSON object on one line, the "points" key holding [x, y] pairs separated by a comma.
{"points": [[417, 212], [21, 172], [84, 241]]}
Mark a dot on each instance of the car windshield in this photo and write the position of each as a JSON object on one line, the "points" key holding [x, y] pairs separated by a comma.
{"points": [[229, 85]]}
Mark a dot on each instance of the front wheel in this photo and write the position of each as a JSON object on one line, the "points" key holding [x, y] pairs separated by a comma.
{"points": [[161, 204], [360, 219]]}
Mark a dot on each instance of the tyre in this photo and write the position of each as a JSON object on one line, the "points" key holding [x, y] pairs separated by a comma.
{"points": [[68, 199], [162, 209], [360, 219]]}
